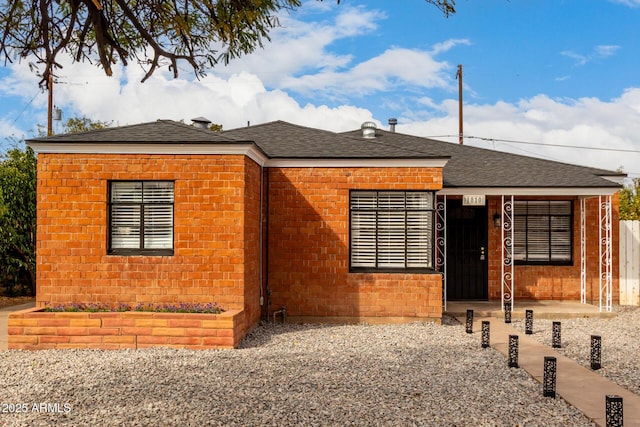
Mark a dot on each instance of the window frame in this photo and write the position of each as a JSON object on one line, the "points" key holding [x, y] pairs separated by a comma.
{"points": [[405, 269], [141, 250], [549, 231]]}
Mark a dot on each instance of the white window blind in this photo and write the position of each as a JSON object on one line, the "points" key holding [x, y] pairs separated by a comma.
{"points": [[141, 215], [391, 229], [543, 231]]}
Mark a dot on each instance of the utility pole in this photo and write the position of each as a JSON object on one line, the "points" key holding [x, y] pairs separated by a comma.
{"points": [[50, 106], [459, 77]]}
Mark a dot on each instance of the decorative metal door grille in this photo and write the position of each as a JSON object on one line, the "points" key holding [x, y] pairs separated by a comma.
{"points": [[441, 244], [583, 251], [606, 278]]}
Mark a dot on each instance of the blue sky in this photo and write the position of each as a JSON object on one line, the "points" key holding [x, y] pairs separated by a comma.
{"points": [[543, 75]]}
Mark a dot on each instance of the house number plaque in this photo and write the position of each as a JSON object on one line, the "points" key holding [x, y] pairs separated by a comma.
{"points": [[473, 200]]}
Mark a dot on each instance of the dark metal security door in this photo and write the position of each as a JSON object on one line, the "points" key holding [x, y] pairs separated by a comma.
{"points": [[467, 275]]}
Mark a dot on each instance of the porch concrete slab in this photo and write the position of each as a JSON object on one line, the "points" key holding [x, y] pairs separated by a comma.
{"points": [[4, 319], [581, 387], [541, 309]]}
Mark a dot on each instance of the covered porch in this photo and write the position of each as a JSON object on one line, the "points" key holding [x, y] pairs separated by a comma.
{"points": [[588, 240]]}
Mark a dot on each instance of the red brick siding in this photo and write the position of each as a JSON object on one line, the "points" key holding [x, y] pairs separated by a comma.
{"points": [[215, 254], [252, 242], [556, 282], [36, 330], [309, 246]]}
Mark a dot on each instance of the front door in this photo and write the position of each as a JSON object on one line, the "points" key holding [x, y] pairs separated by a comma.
{"points": [[466, 234]]}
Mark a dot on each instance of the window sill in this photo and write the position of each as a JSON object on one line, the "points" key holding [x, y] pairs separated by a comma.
{"points": [[544, 263], [138, 252], [393, 270]]}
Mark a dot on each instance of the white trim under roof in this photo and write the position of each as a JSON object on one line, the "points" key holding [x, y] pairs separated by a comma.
{"points": [[529, 191], [248, 150], [357, 163]]}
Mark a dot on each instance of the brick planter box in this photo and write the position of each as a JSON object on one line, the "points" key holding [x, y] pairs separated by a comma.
{"points": [[34, 329]]}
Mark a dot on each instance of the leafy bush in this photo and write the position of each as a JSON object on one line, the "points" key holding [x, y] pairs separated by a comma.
{"points": [[18, 222]]}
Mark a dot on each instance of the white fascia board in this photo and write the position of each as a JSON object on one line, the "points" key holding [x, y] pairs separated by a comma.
{"points": [[248, 150], [532, 191], [356, 163], [618, 179]]}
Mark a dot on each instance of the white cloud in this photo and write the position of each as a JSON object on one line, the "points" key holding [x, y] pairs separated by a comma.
{"points": [[232, 101], [394, 69], [304, 47], [630, 3], [448, 45], [578, 59], [300, 59], [598, 52], [585, 122], [603, 51]]}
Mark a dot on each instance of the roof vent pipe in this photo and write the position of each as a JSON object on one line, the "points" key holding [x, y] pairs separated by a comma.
{"points": [[201, 122], [392, 124], [368, 130]]}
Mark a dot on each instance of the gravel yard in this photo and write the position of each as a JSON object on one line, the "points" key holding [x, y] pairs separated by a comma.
{"points": [[390, 375], [620, 338]]}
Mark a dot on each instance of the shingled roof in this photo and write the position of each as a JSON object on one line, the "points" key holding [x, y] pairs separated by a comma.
{"points": [[160, 131], [468, 166], [282, 140]]}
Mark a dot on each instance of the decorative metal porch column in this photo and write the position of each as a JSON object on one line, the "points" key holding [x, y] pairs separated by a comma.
{"points": [[441, 244], [583, 251], [507, 251], [606, 254]]}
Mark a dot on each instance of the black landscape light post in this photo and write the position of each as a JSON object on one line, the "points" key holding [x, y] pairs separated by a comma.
{"points": [[469, 325], [556, 341], [507, 312], [528, 322], [596, 349], [513, 351], [485, 333], [614, 411], [549, 377]]}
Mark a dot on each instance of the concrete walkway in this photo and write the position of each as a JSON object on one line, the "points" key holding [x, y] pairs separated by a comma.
{"points": [[581, 387], [4, 316]]}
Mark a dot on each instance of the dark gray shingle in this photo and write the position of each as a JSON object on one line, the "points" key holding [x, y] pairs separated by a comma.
{"points": [[467, 166], [161, 131]]}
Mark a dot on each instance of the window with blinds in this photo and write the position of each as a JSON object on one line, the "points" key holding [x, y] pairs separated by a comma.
{"points": [[391, 230], [543, 232], [141, 217]]}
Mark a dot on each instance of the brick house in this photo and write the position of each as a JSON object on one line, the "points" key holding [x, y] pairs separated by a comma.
{"points": [[364, 225]]}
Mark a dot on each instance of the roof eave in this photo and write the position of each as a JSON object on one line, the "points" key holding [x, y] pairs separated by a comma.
{"points": [[530, 191], [250, 150], [386, 162]]}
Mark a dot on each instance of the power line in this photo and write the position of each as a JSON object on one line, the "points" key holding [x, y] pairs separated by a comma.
{"points": [[582, 147], [622, 150], [25, 108]]}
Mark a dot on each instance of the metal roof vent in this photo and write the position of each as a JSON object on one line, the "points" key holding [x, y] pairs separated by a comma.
{"points": [[392, 124], [201, 122], [368, 130]]}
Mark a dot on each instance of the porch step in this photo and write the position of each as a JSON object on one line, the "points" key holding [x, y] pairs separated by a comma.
{"points": [[541, 309]]}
